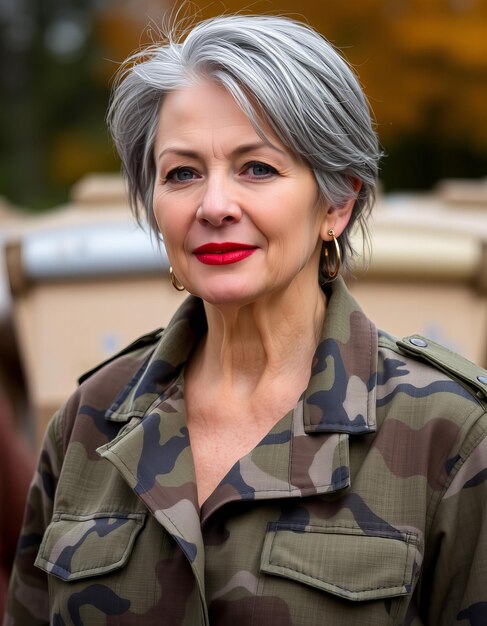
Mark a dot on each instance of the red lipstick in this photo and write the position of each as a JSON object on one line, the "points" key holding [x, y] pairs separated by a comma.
{"points": [[223, 253]]}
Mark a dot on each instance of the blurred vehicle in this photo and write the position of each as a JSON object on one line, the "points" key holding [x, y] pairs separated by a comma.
{"points": [[430, 252]]}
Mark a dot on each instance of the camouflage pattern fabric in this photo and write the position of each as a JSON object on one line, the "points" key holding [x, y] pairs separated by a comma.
{"points": [[364, 506]]}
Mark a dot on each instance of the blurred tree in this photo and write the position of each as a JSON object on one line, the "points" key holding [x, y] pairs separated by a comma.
{"points": [[48, 53], [423, 65]]}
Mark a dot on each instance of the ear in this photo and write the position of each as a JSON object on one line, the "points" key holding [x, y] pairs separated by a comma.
{"points": [[337, 218]]}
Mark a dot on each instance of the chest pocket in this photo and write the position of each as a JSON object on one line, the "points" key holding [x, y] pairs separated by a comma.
{"points": [[78, 546], [349, 562]]}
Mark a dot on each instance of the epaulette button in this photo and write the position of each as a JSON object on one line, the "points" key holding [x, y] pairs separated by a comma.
{"points": [[482, 379], [420, 343]]}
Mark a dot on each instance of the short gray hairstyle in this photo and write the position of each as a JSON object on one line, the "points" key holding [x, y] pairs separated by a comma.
{"points": [[275, 68]]}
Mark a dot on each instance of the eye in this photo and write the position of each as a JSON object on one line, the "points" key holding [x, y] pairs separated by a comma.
{"points": [[256, 169], [181, 175]]}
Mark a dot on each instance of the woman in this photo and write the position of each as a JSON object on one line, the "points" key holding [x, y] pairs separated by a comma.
{"points": [[270, 458]]}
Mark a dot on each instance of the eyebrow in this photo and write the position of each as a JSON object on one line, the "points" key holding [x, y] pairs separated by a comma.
{"points": [[239, 150]]}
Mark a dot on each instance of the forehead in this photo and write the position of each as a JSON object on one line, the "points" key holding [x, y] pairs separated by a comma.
{"points": [[203, 100], [201, 107]]}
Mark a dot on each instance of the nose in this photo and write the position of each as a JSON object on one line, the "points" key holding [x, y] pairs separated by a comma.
{"points": [[219, 205]]}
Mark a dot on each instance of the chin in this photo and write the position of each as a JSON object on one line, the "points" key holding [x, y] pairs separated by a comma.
{"points": [[229, 292]]}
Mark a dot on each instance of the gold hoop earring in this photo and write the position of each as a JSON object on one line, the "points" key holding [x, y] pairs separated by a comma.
{"points": [[332, 274], [174, 280]]}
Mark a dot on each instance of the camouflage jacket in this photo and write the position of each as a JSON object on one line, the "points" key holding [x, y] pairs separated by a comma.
{"points": [[364, 506]]}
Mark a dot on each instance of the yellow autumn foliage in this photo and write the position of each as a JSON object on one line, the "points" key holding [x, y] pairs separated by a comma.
{"points": [[423, 63]]}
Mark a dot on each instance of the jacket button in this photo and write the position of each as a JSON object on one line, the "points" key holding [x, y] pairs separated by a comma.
{"points": [[416, 341], [482, 379]]}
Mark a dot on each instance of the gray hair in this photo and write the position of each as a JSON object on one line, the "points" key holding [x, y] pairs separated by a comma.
{"points": [[274, 67]]}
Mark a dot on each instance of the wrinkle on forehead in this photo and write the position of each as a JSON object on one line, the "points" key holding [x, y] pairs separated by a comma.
{"points": [[207, 114]]}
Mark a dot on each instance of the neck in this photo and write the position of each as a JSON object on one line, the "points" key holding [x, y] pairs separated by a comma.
{"points": [[254, 345]]}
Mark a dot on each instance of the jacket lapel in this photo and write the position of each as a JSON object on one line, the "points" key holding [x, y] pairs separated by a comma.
{"points": [[154, 457], [287, 463], [152, 452]]}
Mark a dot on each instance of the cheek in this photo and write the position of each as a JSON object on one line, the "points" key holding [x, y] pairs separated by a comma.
{"points": [[162, 213], [156, 208], [158, 222], [172, 226], [300, 224]]}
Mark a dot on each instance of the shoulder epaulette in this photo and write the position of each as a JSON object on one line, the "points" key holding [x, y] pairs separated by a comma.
{"points": [[141, 342], [449, 362]]}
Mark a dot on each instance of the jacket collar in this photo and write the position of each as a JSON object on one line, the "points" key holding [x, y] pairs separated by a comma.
{"points": [[154, 380], [340, 397], [305, 453], [310, 451], [341, 392], [309, 445]]}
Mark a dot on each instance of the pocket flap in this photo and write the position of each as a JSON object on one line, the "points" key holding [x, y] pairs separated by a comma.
{"points": [[350, 562], [78, 546]]}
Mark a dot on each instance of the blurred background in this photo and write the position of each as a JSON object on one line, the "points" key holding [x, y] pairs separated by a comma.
{"points": [[423, 65], [77, 279]]}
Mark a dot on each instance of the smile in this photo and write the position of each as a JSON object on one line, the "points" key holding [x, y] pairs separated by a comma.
{"points": [[223, 253]]}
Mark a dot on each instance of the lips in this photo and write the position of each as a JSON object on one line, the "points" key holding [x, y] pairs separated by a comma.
{"points": [[224, 253]]}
